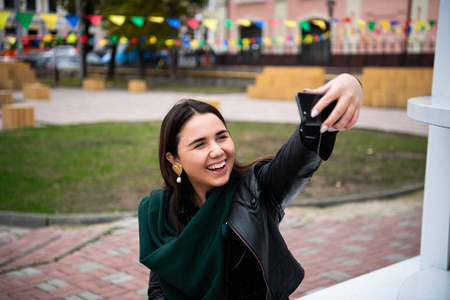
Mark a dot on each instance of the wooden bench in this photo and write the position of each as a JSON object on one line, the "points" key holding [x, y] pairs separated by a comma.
{"points": [[93, 84], [36, 91], [16, 116], [137, 85], [6, 97]]}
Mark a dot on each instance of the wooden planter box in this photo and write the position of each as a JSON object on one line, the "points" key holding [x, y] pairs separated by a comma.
{"points": [[137, 86], [36, 91], [6, 97], [93, 84], [17, 116]]}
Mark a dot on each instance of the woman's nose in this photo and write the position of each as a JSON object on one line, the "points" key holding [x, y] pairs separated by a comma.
{"points": [[216, 151]]}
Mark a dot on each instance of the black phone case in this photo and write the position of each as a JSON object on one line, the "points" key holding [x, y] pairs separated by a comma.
{"points": [[306, 102]]}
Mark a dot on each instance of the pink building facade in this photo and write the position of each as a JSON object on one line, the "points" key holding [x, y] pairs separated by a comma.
{"points": [[298, 27]]}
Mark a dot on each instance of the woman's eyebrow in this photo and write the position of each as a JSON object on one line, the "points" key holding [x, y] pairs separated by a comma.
{"points": [[203, 138]]}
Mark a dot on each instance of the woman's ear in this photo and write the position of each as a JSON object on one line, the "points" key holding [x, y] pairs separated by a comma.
{"points": [[172, 159]]}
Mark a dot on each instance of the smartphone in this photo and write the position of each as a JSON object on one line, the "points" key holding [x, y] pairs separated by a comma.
{"points": [[306, 102]]}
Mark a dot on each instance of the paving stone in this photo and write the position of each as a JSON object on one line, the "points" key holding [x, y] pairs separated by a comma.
{"points": [[89, 296], [361, 238], [395, 257], [75, 297], [336, 275], [306, 251], [44, 286], [118, 251], [142, 292], [58, 283], [327, 230], [347, 261], [405, 234], [87, 267], [25, 272], [409, 224], [317, 240], [354, 248], [118, 278], [370, 227], [400, 245]]}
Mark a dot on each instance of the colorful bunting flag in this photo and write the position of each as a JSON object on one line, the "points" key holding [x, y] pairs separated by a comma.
{"points": [[306, 26], [211, 24], [156, 19], [73, 20], [138, 21], [94, 19], [193, 23], [244, 22], [116, 19], [321, 23], [3, 18], [228, 23], [153, 40], [259, 23], [371, 25], [174, 22], [50, 20], [71, 38], [290, 23], [274, 22], [24, 19], [114, 38]]}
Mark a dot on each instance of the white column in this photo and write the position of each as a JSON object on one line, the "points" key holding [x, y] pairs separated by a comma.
{"points": [[435, 242]]}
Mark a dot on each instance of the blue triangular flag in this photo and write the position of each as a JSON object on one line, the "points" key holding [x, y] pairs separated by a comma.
{"points": [[73, 20], [259, 23], [174, 22]]}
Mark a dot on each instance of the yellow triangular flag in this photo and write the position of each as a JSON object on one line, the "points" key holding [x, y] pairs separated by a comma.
{"points": [[211, 24], [361, 23], [123, 40], [169, 42], [47, 38], [49, 19], [320, 23], [156, 19], [153, 40], [194, 44], [103, 42], [3, 18], [244, 22], [72, 38], [386, 25], [116, 19], [267, 41], [290, 23]]}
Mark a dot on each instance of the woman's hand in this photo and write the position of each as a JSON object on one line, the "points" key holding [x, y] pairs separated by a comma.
{"points": [[347, 90]]}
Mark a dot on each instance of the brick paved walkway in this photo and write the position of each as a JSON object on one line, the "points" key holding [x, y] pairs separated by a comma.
{"points": [[101, 261]]}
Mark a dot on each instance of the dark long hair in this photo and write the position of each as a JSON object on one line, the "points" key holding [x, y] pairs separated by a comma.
{"points": [[169, 138]]}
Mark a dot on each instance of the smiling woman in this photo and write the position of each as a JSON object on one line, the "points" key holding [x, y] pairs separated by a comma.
{"points": [[212, 232]]}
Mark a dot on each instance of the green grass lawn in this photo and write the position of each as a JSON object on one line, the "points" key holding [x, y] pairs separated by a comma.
{"points": [[111, 166]]}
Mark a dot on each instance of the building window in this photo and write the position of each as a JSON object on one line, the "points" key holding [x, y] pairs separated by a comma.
{"points": [[251, 53], [316, 50], [10, 30], [52, 5], [8, 4], [31, 5]]}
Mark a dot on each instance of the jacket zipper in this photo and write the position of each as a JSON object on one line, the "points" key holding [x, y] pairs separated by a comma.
{"points": [[259, 262]]}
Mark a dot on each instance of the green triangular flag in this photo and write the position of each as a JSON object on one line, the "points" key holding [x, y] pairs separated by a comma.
{"points": [[371, 25], [114, 38], [138, 21], [24, 19], [228, 23], [305, 26], [59, 38], [432, 22]]}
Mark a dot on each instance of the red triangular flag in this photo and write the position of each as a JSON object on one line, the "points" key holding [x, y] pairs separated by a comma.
{"points": [[193, 23], [95, 19]]}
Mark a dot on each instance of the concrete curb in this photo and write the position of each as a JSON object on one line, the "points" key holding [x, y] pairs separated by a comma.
{"points": [[41, 220], [326, 202]]}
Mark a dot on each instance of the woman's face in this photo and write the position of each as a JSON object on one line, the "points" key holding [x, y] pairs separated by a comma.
{"points": [[206, 152]]}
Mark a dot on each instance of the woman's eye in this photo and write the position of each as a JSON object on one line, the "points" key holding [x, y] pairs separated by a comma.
{"points": [[222, 137], [199, 145]]}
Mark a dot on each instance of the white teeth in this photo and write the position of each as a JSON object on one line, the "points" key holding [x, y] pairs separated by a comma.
{"points": [[216, 166]]}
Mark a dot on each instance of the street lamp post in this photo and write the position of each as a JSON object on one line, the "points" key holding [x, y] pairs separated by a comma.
{"points": [[330, 4]]}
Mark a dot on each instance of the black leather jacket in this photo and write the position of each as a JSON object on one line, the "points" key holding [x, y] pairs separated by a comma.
{"points": [[258, 206]]}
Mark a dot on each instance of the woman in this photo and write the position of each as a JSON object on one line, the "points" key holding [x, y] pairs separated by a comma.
{"points": [[212, 232]]}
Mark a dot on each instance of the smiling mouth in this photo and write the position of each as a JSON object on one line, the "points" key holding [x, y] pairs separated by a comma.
{"points": [[217, 167]]}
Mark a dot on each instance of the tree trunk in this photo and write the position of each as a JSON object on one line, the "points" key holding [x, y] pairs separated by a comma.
{"points": [[141, 66], [112, 63]]}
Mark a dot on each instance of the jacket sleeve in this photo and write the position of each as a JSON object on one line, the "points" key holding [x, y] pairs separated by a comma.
{"points": [[154, 291], [293, 166]]}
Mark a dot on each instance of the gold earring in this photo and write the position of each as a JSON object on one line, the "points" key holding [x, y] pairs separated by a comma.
{"points": [[178, 168]]}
